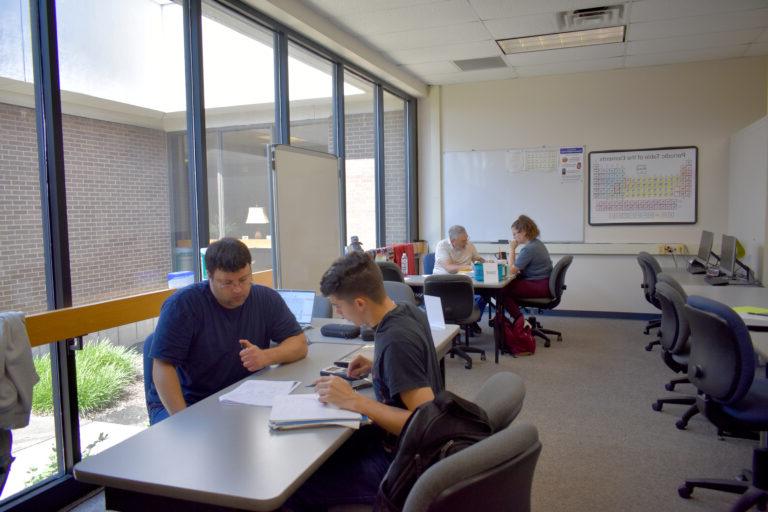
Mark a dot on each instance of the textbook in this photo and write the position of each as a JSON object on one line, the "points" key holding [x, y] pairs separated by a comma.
{"points": [[258, 392], [306, 411]]}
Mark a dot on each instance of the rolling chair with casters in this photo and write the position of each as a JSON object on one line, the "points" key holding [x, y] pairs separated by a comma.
{"points": [[390, 271], [400, 293], [556, 288], [457, 296], [674, 334], [651, 269], [322, 307], [722, 367]]}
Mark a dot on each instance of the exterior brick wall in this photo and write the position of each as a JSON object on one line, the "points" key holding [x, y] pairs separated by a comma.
{"points": [[117, 207]]}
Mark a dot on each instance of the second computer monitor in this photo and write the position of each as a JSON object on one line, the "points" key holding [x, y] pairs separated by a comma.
{"points": [[705, 247], [727, 255]]}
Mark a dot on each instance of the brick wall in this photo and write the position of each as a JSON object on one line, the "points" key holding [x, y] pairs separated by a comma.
{"points": [[117, 207], [395, 190]]}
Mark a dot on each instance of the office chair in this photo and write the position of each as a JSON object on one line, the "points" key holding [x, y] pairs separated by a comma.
{"points": [[458, 299], [556, 287], [675, 349], [502, 398], [401, 293], [651, 269], [429, 263], [722, 367], [390, 271], [493, 474], [322, 307]]}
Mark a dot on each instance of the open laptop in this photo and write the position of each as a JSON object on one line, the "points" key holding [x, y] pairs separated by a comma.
{"points": [[705, 248], [301, 303]]}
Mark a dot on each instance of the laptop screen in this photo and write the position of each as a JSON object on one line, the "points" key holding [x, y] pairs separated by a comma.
{"points": [[705, 246], [300, 302], [728, 255]]}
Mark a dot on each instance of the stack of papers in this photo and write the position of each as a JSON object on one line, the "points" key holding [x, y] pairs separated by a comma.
{"points": [[305, 411], [258, 392]]}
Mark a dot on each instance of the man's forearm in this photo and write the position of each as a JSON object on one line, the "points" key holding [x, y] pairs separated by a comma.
{"points": [[391, 419], [168, 386], [290, 350]]}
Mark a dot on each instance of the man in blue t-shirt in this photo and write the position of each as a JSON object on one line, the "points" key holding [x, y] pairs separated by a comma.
{"points": [[405, 374], [214, 333]]}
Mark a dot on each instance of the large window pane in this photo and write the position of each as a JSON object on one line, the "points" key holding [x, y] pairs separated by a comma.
{"points": [[123, 95], [240, 113], [310, 90], [360, 164], [395, 179], [22, 287]]}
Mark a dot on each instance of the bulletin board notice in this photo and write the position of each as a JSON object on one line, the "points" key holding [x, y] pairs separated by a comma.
{"points": [[643, 186]]}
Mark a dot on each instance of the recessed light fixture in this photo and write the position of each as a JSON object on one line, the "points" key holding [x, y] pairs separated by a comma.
{"points": [[563, 40]]}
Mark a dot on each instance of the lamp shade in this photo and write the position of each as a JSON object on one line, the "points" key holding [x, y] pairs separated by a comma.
{"points": [[256, 215]]}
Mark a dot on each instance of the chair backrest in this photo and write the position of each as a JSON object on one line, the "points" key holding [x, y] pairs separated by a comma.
{"points": [[651, 269], [722, 360], [429, 263], [390, 271], [456, 293], [493, 474], [401, 293], [502, 398], [147, 363], [322, 307], [557, 279], [674, 332]]}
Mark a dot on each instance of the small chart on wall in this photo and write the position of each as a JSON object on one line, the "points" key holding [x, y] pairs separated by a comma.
{"points": [[643, 186]]}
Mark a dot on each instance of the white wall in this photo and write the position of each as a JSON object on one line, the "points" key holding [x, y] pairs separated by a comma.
{"points": [[699, 104]]}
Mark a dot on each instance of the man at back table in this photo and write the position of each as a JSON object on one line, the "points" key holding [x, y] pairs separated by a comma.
{"points": [[455, 253], [214, 333]]}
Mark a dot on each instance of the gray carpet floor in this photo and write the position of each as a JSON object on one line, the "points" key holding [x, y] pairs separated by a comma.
{"points": [[604, 449]]}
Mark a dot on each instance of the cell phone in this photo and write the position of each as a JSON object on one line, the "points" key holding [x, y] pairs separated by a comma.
{"points": [[343, 364], [337, 371]]}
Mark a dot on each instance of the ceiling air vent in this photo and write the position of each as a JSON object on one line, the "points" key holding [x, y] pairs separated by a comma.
{"points": [[477, 64], [594, 17]]}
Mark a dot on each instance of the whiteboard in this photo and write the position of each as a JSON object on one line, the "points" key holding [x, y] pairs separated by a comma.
{"points": [[485, 191], [645, 186], [306, 227]]}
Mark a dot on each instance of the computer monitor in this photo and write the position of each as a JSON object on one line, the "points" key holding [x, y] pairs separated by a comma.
{"points": [[705, 247], [301, 303], [727, 255]]}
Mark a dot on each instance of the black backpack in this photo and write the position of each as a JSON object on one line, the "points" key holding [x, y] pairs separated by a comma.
{"points": [[435, 430]]}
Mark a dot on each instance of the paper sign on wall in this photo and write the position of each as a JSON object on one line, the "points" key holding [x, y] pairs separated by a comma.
{"points": [[491, 272]]}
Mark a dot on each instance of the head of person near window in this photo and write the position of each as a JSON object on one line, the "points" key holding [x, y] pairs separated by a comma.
{"points": [[455, 253], [405, 374], [214, 333]]}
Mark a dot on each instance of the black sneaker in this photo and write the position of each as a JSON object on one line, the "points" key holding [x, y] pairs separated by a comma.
{"points": [[474, 328]]}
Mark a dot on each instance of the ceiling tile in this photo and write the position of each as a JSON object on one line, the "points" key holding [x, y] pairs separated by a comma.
{"points": [[657, 59], [533, 25], [490, 9], [726, 22], [566, 54], [452, 12], [421, 38], [570, 67], [694, 42], [757, 49], [652, 10], [482, 75], [432, 68], [447, 52], [350, 8]]}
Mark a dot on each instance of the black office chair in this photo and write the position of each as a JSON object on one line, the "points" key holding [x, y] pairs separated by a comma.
{"points": [[675, 349], [429, 263], [390, 271], [400, 293], [556, 288], [651, 269], [457, 295], [722, 367], [322, 307]]}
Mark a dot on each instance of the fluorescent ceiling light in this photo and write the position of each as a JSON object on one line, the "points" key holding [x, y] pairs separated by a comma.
{"points": [[563, 40]]}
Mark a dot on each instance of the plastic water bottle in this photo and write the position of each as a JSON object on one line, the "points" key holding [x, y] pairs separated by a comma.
{"points": [[404, 263]]}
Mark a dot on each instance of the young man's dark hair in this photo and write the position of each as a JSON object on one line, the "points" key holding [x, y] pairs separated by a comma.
{"points": [[353, 275], [227, 254]]}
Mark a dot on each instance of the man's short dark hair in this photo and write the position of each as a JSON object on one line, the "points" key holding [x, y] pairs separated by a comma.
{"points": [[227, 254], [354, 275]]}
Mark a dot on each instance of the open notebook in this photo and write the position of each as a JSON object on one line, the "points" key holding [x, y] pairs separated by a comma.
{"points": [[304, 411]]}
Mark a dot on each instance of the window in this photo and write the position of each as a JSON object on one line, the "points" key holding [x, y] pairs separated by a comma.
{"points": [[360, 166], [395, 177], [310, 90]]}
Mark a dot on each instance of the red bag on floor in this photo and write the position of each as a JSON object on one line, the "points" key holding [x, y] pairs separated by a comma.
{"points": [[518, 337]]}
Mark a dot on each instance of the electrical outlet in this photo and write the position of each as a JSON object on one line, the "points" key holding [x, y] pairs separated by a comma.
{"points": [[664, 249], [680, 249], [671, 249]]}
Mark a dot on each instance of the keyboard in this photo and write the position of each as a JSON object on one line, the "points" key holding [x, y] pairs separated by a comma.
{"points": [[717, 280]]}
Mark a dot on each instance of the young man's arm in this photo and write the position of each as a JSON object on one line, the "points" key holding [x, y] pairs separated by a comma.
{"points": [[289, 350], [338, 392], [168, 386]]}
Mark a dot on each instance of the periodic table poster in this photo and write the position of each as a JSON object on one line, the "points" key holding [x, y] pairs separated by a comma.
{"points": [[644, 186]]}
